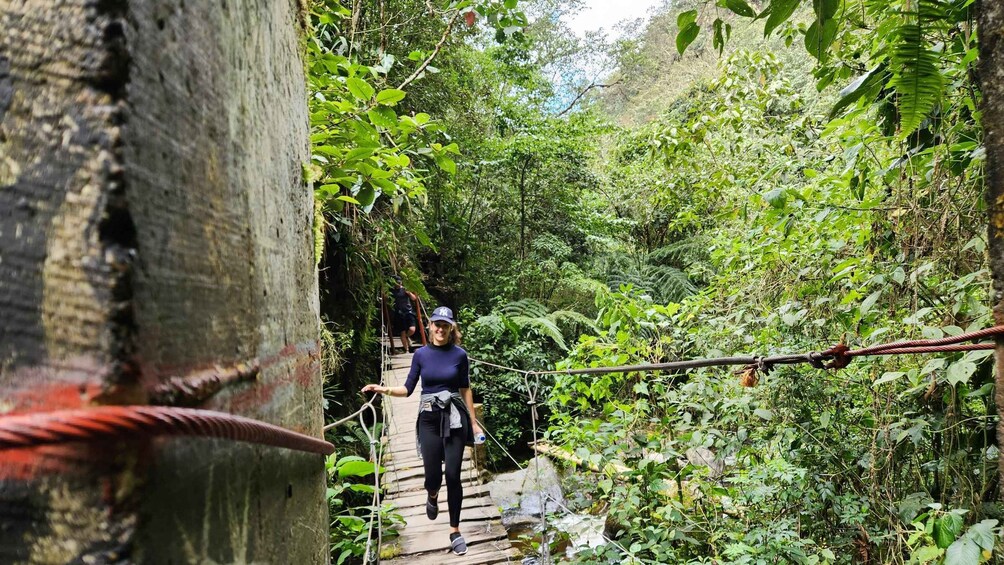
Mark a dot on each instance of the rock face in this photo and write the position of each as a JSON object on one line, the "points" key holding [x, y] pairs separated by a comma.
{"points": [[155, 225]]}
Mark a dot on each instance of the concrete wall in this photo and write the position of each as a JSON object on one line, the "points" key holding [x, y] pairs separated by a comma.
{"points": [[154, 223]]}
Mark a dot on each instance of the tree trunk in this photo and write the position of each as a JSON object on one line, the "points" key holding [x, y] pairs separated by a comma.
{"points": [[991, 70], [522, 207], [155, 226]]}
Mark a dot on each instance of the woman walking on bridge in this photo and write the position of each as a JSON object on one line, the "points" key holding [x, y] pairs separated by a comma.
{"points": [[445, 421]]}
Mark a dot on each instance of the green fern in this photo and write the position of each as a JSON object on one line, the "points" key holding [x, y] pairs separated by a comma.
{"points": [[673, 284], [572, 318], [526, 307], [682, 252], [528, 314], [545, 326], [916, 71], [663, 283]]}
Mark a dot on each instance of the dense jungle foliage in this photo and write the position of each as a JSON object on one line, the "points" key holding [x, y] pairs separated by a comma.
{"points": [[742, 178]]}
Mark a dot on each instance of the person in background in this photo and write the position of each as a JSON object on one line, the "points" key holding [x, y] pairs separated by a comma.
{"points": [[445, 423], [403, 319]]}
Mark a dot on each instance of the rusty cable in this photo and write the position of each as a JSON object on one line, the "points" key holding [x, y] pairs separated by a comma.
{"points": [[114, 422], [836, 357]]}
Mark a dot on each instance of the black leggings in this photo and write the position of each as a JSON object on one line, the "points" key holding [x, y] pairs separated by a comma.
{"points": [[436, 450]]}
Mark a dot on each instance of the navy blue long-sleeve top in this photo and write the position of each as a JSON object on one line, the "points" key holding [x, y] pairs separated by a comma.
{"points": [[441, 367]]}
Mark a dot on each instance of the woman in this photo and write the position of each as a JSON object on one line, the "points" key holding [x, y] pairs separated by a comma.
{"points": [[444, 425]]}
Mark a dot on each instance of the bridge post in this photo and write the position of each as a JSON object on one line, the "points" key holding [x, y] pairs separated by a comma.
{"points": [[155, 224]]}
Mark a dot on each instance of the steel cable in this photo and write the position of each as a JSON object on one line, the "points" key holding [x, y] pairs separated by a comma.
{"points": [[104, 423]]}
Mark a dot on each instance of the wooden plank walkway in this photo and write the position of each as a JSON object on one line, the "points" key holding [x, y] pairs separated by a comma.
{"points": [[422, 541]]}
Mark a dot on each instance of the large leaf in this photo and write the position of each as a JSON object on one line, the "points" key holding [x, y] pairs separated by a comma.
{"points": [[858, 88], [390, 96], [946, 529], [382, 116], [960, 371], [359, 88], [963, 552], [983, 534], [740, 7], [356, 469], [819, 37], [777, 13], [686, 23]]}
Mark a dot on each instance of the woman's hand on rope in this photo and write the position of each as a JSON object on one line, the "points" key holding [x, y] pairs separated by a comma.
{"points": [[376, 388]]}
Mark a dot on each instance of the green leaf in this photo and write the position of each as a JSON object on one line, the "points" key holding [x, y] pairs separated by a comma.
{"points": [[347, 198], [819, 37], [356, 469], [383, 117], [888, 377], [390, 96], [686, 18], [776, 198], [946, 529], [778, 12], [867, 303], [423, 238], [359, 88], [446, 164], [858, 88], [926, 553], [686, 36], [763, 413], [366, 195], [825, 9], [963, 552], [983, 534], [960, 371], [717, 39], [360, 153], [740, 8]]}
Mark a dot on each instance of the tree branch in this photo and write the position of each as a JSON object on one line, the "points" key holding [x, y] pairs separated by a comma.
{"points": [[442, 41], [583, 93]]}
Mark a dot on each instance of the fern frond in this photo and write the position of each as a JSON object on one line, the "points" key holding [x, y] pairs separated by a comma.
{"points": [[916, 76], [491, 321], [573, 317], [545, 326], [669, 284], [680, 251], [527, 307]]}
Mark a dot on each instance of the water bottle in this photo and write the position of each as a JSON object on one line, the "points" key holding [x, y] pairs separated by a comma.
{"points": [[479, 438]]}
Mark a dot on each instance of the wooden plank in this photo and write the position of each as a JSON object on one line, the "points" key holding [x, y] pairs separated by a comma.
{"points": [[426, 540], [483, 555]]}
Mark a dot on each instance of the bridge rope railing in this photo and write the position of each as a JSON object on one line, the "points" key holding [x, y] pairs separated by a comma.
{"points": [[371, 553], [103, 423]]}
